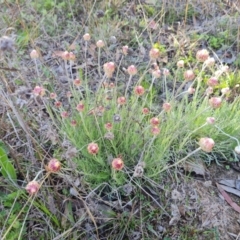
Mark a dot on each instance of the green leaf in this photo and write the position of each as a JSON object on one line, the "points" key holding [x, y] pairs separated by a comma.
{"points": [[7, 169]]}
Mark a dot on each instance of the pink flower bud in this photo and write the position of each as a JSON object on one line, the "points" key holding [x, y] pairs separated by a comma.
{"points": [[77, 82], [39, 91], [154, 121], [155, 66], [93, 148], [166, 72], [225, 68], [154, 53], [69, 94], [191, 90], [65, 55], [132, 70], [58, 104], [145, 111], [139, 90], [32, 187], [64, 114], [121, 100], [210, 120], [100, 44], [189, 75], [34, 54], [125, 50], [212, 82], [109, 69], [53, 95], [86, 37], [72, 56], [153, 25], [167, 107], [117, 164], [202, 55], [73, 123], [156, 73], [155, 130], [108, 126], [180, 64], [210, 62], [206, 144], [80, 107], [209, 91], [225, 91], [215, 102], [53, 165]]}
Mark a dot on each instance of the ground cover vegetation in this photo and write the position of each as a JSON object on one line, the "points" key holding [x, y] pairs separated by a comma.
{"points": [[118, 118]]}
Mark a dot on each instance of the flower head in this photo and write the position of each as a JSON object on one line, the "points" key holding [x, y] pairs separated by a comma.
{"points": [[180, 64], [166, 72], [206, 144], [77, 82], [53, 165], [167, 106], [156, 73], [86, 37], [215, 102], [154, 53], [121, 100], [34, 54], [64, 114], [108, 126], [58, 104], [39, 91], [93, 148], [109, 136], [191, 90], [73, 123], [68, 56], [210, 120], [154, 121], [132, 70], [145, 111], [155, 130], [189, 75], [100, 44], [80, 107], [202, 55], [212, 82], [53, 95], [210, 62], [32, 187], [209, 91], [139, 90], [125, 50], [109, 69], [117, 164]]}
